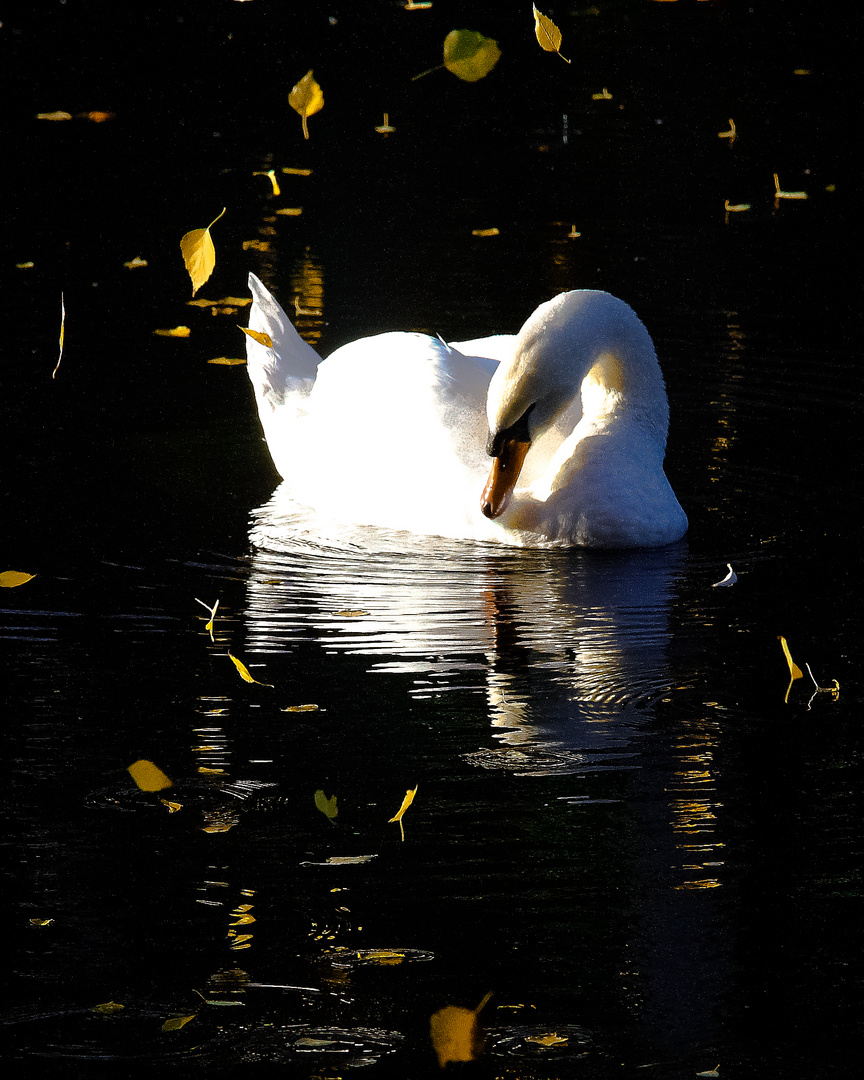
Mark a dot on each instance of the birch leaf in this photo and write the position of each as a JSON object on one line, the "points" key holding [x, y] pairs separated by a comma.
{"points": [[257, 335], [327, 806], [306, 98], [244, 671], [469, 55], [11, 579], [149, 777], [547, 33], [177, 1022], [199, 255]]}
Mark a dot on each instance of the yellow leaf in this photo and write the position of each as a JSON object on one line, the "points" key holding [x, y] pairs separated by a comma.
{"points": [[62, 334], [290, 211], [296, 172], [228, 361], [149, 777], [243, 920], [212, 611], [173, 807], [547, 33], [349, 860], [455, 1035], [256, 335], [485, 232], [406, 802], [552, 1039], [107, 1008], [388, 957], [11, 579], [41, 922], [177, 1022], [794, 671], [306, 98], [300, 708], [469, 55], [177, 331], [58, 115], [351, 613], [199, 255], [244, 671], [271, 175], [136, 263], [326, 806]]}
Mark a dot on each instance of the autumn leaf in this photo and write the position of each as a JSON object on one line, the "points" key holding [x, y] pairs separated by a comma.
{"points": [[107, 1008], [548, 35], [149, 777], [11, 579], [300, 708], [177, 1022], [58, 115], [175, 331], [794, 671], [406, 802], [306, 98], [228, 361], [290, 211], [257, 335], [327, 806], [135, 264], [456, 1034], [244, 672], [199, 255], [469, 55], [62, 334], [296, 172]]}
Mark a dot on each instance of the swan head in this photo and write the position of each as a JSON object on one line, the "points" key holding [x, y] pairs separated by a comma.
{"points": [[569, 338]]}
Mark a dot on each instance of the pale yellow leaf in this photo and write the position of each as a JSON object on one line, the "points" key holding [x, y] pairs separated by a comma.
{"points": [[485, 232], [306, 98], [136, 263], [547, 33], [406, 802], [259, 336], [552, 1039], [469, 55], [11, 579], [107, 1007], [58, 115], [228, 361], [199, 254], [271, 176], [326, 806], [177, 1022], [349, 860], [172, 807], [296, 172], [149, 777], [794, 671], [290, 211], [40, 922], [300, 708]]}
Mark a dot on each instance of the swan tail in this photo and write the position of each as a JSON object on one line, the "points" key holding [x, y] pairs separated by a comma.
{"points": [[285, 368]]}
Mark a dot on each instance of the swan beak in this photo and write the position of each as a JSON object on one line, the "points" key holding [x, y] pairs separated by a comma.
{"points": [[502, 479]]}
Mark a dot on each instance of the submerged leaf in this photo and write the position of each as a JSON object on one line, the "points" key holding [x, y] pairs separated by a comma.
{"points": [[306, 98], [547, 33], [177, 1022], [149, 777], [326, 806], [199, 254], [470, 55], [455, 1035], [11, 579]]}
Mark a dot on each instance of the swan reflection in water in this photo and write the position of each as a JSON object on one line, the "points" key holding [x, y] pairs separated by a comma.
{"points": [[568, 647]]}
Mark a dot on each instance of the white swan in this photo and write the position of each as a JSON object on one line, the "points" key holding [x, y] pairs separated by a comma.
{"points": [[394, 430]]}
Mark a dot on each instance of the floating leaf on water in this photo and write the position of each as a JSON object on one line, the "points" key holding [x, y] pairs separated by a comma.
{"points": [[211, 610], [149, 777], [730, 134], [327, 806], [177, 1022], [300, 708], [176, 331], [62, 334], [40, 922], [58, 115], [228, 361], [735, 208], [11, 579], [710, 1072], [296, 172], [244, 672], [386, 128], [384, 956], [30, 265], [172, 807], [107, 1008], [778, 194], [351, 613], [469, 55], [199, 254], [290, 211], [306, 98], [730, 578], [271, 176], [548, 35], [136, 263], [604, 95], [259, 336], [485, 232], [342, 860], [406, 802], [456, 1034], [794, 671], [552, 1039]]}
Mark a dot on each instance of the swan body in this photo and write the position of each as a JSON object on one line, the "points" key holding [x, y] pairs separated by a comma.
{"points": [[398, 430]]}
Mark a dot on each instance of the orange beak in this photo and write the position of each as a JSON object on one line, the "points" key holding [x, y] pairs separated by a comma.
{"points": [[502, 479]]}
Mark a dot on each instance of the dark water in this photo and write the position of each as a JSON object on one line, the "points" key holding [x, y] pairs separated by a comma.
{"points": [[621, 828]]}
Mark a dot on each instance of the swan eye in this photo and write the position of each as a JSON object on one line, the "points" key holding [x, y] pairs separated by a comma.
{"points": [[517, 432]]}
